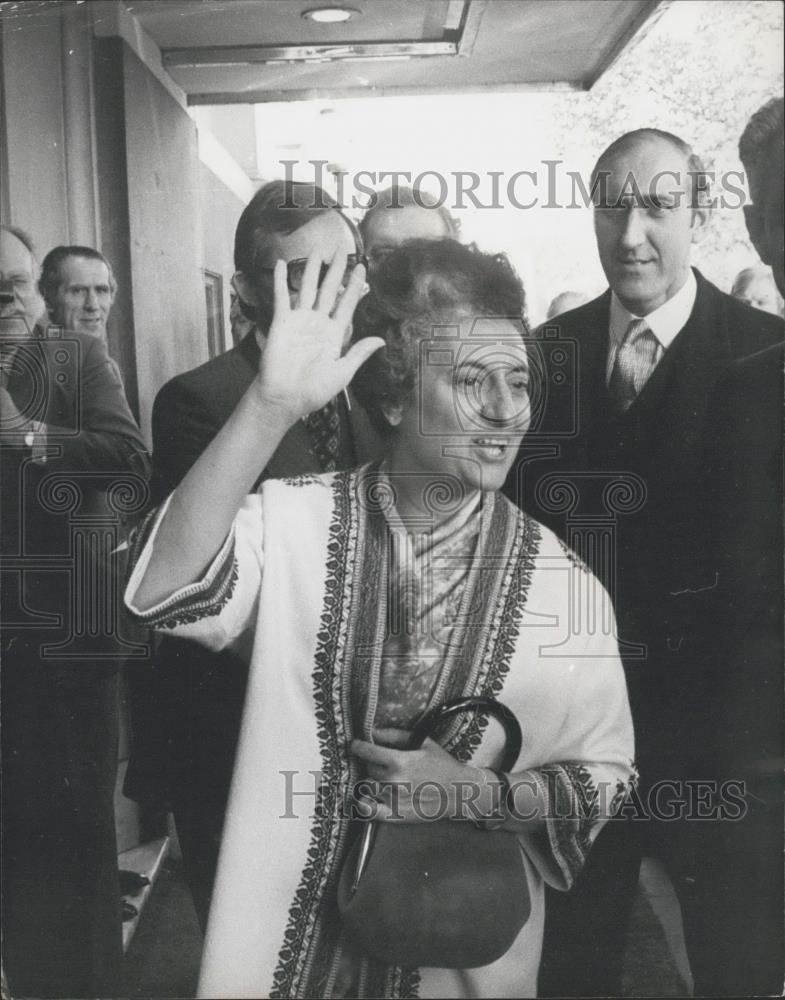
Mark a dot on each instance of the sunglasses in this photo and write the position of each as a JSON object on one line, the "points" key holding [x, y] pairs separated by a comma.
{"points": [[295, 270]]}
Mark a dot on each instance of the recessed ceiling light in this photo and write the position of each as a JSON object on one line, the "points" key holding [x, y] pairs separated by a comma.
{"points": [[330, 15]]}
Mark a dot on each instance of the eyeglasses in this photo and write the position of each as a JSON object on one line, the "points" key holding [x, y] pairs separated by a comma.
{"points": [[295, 270]]}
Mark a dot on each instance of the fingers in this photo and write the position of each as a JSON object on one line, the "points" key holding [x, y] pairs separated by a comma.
{"points": [[369, 808], [310, 283], [280, 288], [373, 754], [351, 296], [398, 738], [331, 283], [358, 355], [366, 808]]}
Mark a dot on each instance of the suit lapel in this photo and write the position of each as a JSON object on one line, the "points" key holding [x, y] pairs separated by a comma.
{"points": [[591, 353], [690, 364], [672, 404]]}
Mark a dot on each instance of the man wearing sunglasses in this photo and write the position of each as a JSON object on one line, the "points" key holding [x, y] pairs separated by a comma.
{"points": [[187, 712]]}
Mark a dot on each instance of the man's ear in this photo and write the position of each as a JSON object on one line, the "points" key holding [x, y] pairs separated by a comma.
{"points": [[244, 288], [754, 220], [393, 413]]}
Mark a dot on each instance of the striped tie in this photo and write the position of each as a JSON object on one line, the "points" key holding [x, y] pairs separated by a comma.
{"points": [[636, 359]]}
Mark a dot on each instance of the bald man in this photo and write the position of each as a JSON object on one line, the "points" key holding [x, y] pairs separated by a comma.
{"points": [[650, 350]]}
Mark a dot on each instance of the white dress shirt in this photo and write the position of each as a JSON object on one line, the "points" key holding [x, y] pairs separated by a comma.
{"points": [[665, 322]]}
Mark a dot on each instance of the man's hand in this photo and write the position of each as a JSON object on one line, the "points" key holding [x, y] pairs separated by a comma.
{"points": [[301, 367], [12, 423]]}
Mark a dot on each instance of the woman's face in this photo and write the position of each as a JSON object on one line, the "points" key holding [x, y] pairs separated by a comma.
{"points": [[470, 407]]}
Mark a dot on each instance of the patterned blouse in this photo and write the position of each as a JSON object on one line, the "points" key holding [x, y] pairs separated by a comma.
{"points": [[427, 585]]}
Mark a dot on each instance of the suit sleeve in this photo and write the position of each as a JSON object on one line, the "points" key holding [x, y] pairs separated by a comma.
{"points": [[183, 427], [108, 438]]}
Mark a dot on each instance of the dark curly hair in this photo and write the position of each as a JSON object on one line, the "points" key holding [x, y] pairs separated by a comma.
{"points": [[422, 285]]}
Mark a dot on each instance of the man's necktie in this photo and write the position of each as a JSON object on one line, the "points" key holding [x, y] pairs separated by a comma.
{"points": [[324, 427], [636, 359]]}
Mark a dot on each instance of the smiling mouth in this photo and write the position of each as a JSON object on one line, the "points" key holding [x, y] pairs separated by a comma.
{"points": [[494, 447]]}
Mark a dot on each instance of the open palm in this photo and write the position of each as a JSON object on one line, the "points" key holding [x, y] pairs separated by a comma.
{"points": [[302, 366]]}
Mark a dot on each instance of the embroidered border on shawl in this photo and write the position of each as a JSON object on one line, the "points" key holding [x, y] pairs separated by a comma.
{"points": [[520, 552], [364, 648], [571, 810], [409, 985], [369, 611], [307, 479], [206, 604], [204, 601], [303, 913], [403, 984], [623, 789]]}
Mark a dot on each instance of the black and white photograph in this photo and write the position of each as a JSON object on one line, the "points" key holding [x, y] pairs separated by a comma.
{"points": [[392, 405]]}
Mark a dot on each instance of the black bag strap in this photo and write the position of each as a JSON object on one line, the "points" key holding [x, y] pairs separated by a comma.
{"points": [[489, 706]]}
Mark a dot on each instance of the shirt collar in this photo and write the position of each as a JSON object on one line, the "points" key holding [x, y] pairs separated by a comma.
{"points": [[665, 322]]}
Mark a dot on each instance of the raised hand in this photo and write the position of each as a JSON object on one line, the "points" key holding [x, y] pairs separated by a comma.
{"points": [[302, 366]]}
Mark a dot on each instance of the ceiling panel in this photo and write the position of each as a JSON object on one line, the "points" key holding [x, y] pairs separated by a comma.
{"points": [[217, 50], [186, 23]]}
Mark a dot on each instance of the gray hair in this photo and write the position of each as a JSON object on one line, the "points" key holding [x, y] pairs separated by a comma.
{"points": [[52, 264], [26, 240]]}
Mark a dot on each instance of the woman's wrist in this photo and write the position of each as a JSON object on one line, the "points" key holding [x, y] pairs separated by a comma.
{"points": [[270, 410], [486, 807]]}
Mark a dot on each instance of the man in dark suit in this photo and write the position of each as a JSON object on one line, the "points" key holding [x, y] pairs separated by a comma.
{"points": [[71, 456], [187, 712], [621, 489], [744, 612]]}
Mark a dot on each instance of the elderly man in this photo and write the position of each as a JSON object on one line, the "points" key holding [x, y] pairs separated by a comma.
{"points": [[398, 214], [187, 717], [66, 436], [650, 350], [78, 287]]}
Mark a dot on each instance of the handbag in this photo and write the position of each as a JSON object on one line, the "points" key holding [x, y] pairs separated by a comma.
{"points": [[441, 894]]}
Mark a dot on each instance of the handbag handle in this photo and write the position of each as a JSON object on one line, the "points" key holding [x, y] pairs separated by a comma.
{"points": [[489, 706], [424, 728]]}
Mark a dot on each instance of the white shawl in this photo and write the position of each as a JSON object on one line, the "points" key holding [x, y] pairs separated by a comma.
{"points": [[299, 587]]}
